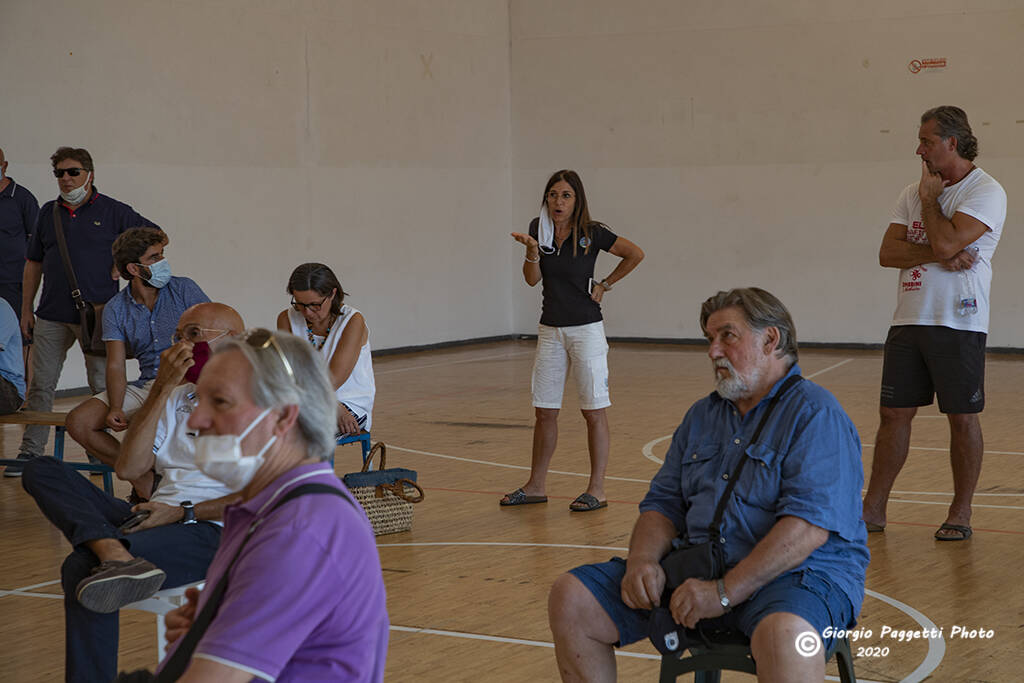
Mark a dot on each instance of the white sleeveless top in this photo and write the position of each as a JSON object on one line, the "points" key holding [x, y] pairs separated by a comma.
{"points": [[359, 389]]}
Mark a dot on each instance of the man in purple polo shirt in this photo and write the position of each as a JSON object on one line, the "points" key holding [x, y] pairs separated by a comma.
{"points": [[305, 597], [91, 223]]}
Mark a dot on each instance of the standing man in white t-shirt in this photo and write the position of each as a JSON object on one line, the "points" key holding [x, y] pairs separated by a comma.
{"points": [[943, 234]]}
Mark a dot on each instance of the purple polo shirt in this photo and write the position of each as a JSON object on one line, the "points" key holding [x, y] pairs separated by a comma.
{"points": [[305, 600]]}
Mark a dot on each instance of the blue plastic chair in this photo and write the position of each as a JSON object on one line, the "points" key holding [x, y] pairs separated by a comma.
{"points": [[362, 438]]}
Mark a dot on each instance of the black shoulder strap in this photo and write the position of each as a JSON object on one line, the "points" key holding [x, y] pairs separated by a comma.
{"points": [[716, 523], [65, 257], [178, 662]]}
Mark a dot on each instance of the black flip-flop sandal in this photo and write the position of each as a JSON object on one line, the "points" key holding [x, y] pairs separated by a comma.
{"points": [[519, 497], [589, 503]]}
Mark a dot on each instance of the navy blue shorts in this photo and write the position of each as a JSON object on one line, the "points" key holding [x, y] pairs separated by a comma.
{"points": [[805, 593]]}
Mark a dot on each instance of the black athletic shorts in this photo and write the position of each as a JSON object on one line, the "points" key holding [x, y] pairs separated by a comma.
{"points": [[926, 360]]}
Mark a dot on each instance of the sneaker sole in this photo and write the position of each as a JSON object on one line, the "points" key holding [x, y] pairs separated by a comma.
{"points": [[111, 594], [8, 472]]}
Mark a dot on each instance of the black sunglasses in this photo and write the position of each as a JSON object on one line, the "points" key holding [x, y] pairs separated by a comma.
{"points": [[73, 172], [261, 338]]}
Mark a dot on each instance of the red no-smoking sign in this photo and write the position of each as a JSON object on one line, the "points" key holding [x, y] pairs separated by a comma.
{"points": [[917, 65]]}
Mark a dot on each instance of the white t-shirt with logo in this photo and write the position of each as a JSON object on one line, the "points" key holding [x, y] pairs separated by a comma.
{"points": [[929, 294], [175, 451]]}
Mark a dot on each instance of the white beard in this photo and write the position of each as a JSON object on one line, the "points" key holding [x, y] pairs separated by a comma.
{"points": [[735, 386]]}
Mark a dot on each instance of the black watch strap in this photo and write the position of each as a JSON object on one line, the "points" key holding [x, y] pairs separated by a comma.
{"points": [[189, 516]]}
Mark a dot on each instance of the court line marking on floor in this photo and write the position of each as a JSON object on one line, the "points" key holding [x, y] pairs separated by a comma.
{"points": [[831, 367], [27, 594], [505, 639], [950, 493], [388, 371], [392, 447], [944, 502], [946, 449], [535, 643], [648, 450], [648, 454], [936, 646]]}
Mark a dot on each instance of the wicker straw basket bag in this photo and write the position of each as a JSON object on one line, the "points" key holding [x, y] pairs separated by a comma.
{"points": [[387, 495]]}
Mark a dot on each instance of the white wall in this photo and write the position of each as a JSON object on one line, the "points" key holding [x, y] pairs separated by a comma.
{"points": [[400, 141], [372, 135], [760, 143]]}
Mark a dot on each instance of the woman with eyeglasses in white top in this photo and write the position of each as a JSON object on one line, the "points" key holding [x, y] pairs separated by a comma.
{"points": [[318, 313], [561, 249]]}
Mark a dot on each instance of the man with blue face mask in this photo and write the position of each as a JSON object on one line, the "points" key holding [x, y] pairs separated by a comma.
{"points": [[138, 322], [90, 222]]}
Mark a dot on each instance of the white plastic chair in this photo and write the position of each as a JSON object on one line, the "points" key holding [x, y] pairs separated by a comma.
{"points": [[160, 603]]}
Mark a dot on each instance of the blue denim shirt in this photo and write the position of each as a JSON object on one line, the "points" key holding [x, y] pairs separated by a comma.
{"points": [[806, 464], [12, 366], [147, 333]]}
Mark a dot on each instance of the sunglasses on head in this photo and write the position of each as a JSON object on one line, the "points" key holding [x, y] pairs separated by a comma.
{"points": [[261, 338], [73, 172]]}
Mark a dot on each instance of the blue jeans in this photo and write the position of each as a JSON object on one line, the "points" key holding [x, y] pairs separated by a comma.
{"points": [[84, 513]]}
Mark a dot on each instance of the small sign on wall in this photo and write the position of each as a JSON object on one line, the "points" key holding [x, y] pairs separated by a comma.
{"points": [[918, 65]]}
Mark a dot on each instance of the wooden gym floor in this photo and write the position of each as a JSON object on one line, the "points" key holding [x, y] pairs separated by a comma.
{"points": [[467, 588]]}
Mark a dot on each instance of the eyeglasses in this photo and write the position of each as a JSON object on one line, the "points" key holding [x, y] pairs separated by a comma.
{"points": [[193, 333], [261, 338], [73, 172], [299, 306]]}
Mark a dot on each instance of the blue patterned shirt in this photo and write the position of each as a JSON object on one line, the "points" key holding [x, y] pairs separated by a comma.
{"points": [[147, 333]]}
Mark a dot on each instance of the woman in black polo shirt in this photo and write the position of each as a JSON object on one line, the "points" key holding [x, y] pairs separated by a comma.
{"points": [[561, 249]]}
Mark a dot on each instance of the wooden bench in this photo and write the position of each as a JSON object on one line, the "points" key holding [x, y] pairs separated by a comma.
{"points": [[57, 421]]}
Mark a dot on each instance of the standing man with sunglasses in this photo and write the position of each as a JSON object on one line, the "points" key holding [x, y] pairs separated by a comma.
{"points": [[91, 222]]}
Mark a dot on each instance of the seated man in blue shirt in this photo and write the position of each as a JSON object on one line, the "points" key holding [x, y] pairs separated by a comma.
{"points": [[138, 322], [12, 375], [794, 544]]}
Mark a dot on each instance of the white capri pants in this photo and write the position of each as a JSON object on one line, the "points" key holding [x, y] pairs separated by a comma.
{"points": [[581, 348]]}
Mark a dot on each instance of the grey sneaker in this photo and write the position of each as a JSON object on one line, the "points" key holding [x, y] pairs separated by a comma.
{"points": [[115, 584], [16, 470]]}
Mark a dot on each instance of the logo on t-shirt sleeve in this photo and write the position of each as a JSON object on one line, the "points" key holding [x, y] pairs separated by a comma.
{"points": [[916, 233]]}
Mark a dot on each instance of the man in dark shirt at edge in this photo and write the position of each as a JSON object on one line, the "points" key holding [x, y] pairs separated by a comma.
{"points": [[91, 222], [18, 211]]}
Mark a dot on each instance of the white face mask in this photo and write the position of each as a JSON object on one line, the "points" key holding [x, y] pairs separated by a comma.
{"points": [[219, 456], [77, 195]]}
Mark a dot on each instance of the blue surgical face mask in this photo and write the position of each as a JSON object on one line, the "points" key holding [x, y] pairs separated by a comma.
{"points": [[159, 273]]}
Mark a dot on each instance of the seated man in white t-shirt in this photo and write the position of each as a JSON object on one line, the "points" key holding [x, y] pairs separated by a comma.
{"points": [[113, 563]]}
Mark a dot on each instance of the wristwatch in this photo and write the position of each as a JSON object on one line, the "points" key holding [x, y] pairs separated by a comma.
{"points": [[723, 599], [604, 283], [189, 513]]}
